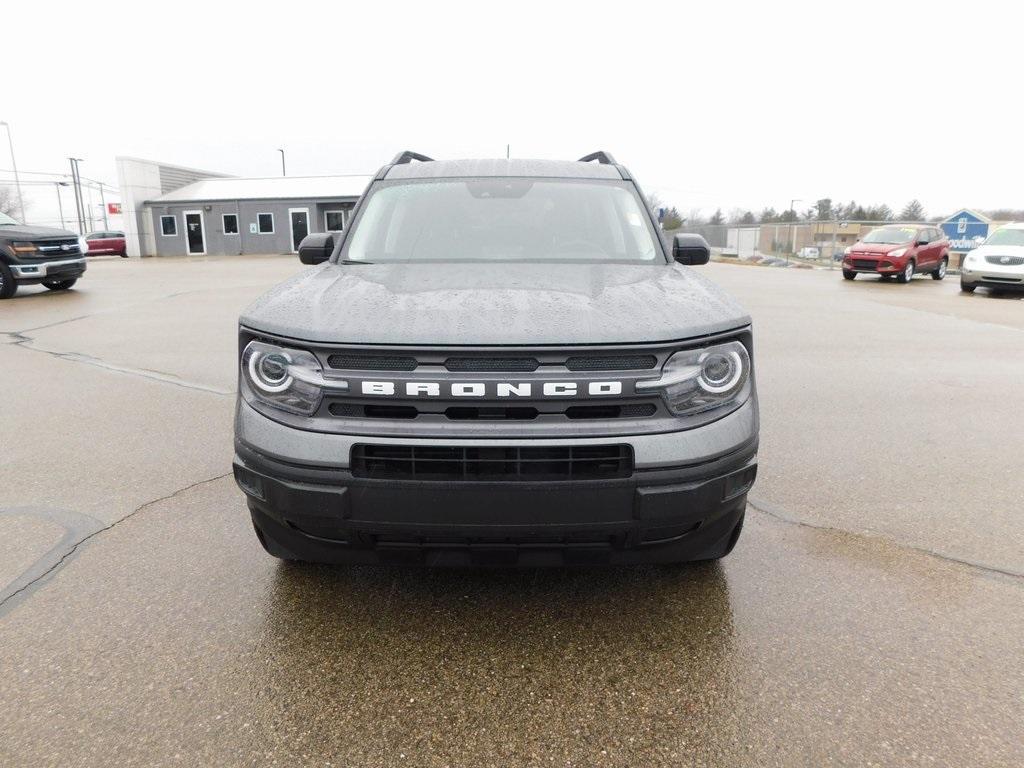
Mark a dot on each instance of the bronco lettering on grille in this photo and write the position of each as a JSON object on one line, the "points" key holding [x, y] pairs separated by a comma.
{"points": [[494, 389]]}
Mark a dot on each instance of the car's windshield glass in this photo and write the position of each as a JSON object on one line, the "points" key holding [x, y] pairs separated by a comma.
{"points": [[7, 221], [503, 219], [1006, 237], [890, 235]]}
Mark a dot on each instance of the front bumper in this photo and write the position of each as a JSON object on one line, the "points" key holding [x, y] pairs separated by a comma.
{"points": [[684, 509], [989, 276], [36, 272], [880, 266]]}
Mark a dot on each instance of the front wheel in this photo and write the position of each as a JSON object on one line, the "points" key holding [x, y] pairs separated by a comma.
{"points": [[907, 273], [940, 271], [967, 288], [848, 275], [60, 285], [7, 284]]}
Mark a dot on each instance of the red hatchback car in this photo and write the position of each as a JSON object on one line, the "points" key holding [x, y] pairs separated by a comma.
{"points": [[106, 242], [900, 250]]}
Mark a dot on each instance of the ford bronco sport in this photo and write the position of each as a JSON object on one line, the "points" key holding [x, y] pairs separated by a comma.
{"points": [[498, 363], [30, 255]]}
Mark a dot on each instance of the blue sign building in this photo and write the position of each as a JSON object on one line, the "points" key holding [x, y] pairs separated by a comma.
{"points": [[963, 227]]}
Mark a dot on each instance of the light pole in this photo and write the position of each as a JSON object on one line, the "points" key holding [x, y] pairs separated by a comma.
{"points": [[14, 165], [60, 203], [77, 186], [282, 162], [792, 231]]}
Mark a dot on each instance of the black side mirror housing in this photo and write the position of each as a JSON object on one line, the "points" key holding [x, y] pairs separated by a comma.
{"points": [[690, 249], [316, 248]]}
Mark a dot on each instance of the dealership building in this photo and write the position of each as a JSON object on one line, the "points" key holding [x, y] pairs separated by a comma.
{"points": [[176, 211]]}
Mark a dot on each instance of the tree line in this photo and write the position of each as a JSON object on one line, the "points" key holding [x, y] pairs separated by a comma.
{"points": [[824, 210]]}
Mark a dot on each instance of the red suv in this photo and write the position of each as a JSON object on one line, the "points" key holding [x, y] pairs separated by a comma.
{"points": [[898, 249], [107, 242]]}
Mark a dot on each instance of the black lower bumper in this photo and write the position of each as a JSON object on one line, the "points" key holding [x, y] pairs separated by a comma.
{"points": [[53, 273], [664, 515]]}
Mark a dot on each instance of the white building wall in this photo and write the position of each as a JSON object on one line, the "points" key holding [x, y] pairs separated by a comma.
{"points": [[142, 180]]}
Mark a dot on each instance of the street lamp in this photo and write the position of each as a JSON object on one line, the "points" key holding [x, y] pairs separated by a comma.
{"points": [[14, 165], [792, 221], [282, 162], [60, 203]]}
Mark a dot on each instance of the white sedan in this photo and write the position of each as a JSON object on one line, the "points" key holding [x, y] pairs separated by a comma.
{"points": [[997, 263]]}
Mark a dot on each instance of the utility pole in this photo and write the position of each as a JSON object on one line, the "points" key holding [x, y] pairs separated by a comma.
{"points": [[283, 173], [103, 205], [14, 165], [77, 186]]}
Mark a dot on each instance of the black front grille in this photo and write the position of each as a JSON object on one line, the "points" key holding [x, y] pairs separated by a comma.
{"points": [[400, 462], [484, 364], [864, 264], [612, 363], [372, 362], [1012, 261]]}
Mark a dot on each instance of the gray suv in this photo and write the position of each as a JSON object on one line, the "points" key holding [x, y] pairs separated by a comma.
{"points": [[499, 362]]}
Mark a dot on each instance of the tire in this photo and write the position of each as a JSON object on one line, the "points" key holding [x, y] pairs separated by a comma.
{"points": [[907, 274], [940, 271], [848, 275], [967, 288], [60, 285], [7, 284]]}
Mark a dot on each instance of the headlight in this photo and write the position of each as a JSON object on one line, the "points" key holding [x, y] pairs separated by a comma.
{"points": [[83, 245], [897, 253], [285, 378], [24, 249], [697, 380], [847, 251]]}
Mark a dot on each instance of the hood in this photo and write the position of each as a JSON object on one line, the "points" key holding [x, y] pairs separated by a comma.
{"points": [[447, 304], [997, 250], [29, 232], [879, 248]]}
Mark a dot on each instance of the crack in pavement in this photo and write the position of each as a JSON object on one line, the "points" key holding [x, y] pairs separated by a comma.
{"points": [[19, 339], [70, 544], [775, 512]]}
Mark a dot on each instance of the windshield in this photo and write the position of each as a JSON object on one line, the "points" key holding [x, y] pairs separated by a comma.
{"points": [[890, 235], [1006, 237], [7, 221], [503, 219]]}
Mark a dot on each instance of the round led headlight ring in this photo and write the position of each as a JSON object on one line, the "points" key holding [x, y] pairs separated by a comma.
{"points": [[720, 371], [269, 371]]}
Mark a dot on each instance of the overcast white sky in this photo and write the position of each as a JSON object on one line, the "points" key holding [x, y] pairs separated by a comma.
{"points": [[710, 104]]}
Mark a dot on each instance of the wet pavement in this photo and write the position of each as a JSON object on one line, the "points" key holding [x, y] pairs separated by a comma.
{"points": [[872, 613]]}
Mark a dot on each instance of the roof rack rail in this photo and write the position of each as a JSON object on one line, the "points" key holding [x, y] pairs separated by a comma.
{"points": [[601, 156], [407, 157]]}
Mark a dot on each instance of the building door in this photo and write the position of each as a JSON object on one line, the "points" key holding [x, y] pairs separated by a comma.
{"points": [[195, 233], [300, 226]]}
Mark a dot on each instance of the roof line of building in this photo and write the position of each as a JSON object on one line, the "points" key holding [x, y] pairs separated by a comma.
{"points": [[215, 174], [196, 200]]}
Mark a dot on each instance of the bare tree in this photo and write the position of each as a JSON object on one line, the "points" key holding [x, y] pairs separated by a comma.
{"points": [[9, 203]]}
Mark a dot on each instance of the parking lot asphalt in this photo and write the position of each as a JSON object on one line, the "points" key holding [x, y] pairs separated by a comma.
{"points": [[872, 613]]}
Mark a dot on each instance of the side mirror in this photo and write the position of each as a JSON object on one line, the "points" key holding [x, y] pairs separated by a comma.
{"points": [[920, 241], [316, 248], [690, 249]]}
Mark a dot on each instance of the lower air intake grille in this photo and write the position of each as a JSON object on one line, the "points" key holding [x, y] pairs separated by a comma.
{"points": [[864, 264], [399, 462]]}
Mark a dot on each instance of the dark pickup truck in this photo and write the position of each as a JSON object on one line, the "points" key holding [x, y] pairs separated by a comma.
{"points": [[31, 255]]}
